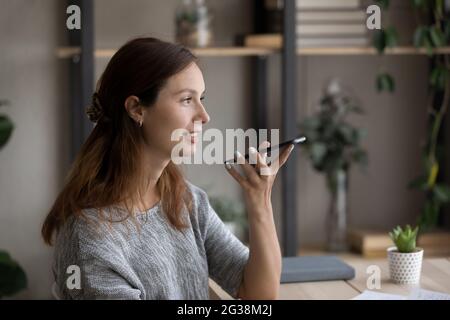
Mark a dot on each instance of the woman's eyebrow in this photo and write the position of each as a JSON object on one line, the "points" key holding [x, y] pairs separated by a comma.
{"points": [[187, 90]]}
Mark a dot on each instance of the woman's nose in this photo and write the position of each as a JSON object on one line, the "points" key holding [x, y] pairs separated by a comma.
{"points": [[204, 116]]}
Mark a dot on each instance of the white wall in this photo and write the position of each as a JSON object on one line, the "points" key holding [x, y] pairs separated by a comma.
{"points": [[33, 162]]}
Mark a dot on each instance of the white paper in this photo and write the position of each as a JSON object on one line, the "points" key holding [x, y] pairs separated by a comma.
{"points": [[421, 294], [374, 295], [416, 294]]}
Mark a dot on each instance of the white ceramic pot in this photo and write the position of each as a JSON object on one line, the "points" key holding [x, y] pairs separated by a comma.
{"points": [[405, 268]]}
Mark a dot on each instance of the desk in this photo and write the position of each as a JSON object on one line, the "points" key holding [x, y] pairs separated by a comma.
{"points": [[435, 276]]}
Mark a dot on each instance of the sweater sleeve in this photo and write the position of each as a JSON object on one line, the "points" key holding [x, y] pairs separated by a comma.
{"points": [[104, 270], [227, 256]]}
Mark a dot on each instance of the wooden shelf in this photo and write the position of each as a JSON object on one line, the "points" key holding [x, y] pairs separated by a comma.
{"points": [[67, 52], [337, 51], [233, 51], [275, 42]]}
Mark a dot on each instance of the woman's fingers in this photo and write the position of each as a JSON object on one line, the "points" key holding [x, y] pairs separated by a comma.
{"points": [[241, 180], [261, 166], [282, 158], [249, 171], [256, 168], [264, 145], [286, 154]]}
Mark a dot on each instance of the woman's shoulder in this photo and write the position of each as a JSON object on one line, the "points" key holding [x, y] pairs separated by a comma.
{"points": [[199, 195], [90, 225]]}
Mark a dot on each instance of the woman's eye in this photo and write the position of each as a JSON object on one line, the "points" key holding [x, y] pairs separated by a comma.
{"points": [[187, 100], [202, 98]]}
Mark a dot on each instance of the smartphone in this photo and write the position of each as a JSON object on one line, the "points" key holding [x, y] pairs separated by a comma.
{"points": [[295, 141]]}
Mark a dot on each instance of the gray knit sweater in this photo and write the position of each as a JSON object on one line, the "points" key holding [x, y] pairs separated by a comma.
{"points": [[116, 261]]}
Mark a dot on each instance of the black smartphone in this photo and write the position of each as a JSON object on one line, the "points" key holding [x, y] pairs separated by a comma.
{"points": [[295, 141]]}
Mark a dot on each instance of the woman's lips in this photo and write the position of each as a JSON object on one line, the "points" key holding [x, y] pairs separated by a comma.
{"points": [[194, 138]]}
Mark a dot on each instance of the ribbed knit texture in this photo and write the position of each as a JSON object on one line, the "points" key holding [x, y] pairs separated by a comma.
{"points": [[157, 262]]}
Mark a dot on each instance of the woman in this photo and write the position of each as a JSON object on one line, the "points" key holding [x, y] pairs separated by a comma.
{"points": [[126, 218]]}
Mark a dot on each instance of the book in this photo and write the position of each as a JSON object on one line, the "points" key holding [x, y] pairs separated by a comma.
{"points": [[275, 41], [331, 29], [315, 4], [304, 42], [315, 268], [331, 16], [327, 4], [270, 40]]}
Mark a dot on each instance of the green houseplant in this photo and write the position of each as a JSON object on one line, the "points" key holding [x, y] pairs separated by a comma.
{"points": [[405, 259], [404, 240], [333, 146], [231, 213], [432, 32], [12, 276]]}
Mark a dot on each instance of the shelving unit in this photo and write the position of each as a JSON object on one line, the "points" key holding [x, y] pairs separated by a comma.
{"points": [[339, 51], [81, 54]]}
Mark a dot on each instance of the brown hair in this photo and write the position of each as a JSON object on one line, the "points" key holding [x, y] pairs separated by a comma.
{"points": [[106, 171]]}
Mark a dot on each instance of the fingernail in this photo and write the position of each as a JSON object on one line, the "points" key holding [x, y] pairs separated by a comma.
{"points": [[252, 150], [291, 148], [228, 166], [239, 157]]}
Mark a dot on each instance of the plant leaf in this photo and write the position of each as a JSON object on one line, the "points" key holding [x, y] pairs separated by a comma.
{"points": [[385, 82], [439, 77], [419, 183], [384, 4], [12, 277], [391, 37], [379, 40], [442, 193], [437, 36], [420, 35], [6, 129], [419, 4], [318, 151]]}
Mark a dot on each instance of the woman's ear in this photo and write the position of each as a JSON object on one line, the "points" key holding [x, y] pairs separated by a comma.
{"points": [[134, 109]]}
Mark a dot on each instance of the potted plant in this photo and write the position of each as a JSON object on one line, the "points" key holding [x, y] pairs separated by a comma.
{"points": [[12, 276], [405, 259], [231, 213], [333, 145]]}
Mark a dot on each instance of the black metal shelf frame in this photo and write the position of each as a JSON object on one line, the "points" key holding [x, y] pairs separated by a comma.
{"points": [[82, 84]]}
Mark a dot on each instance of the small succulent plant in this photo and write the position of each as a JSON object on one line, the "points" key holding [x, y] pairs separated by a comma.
{"points": [[404, 240]]}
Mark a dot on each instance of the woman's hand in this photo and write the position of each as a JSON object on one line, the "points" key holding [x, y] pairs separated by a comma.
{"points": [[263, 270], [258, 180]]}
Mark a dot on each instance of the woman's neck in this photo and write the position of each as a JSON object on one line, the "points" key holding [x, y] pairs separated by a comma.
{"points": [[153, 167]]}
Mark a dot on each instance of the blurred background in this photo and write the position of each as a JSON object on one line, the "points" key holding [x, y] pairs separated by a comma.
{"points": [[371, 102]]}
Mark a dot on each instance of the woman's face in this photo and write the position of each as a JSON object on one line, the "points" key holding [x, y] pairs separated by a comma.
{"points": [[178, 106]]}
